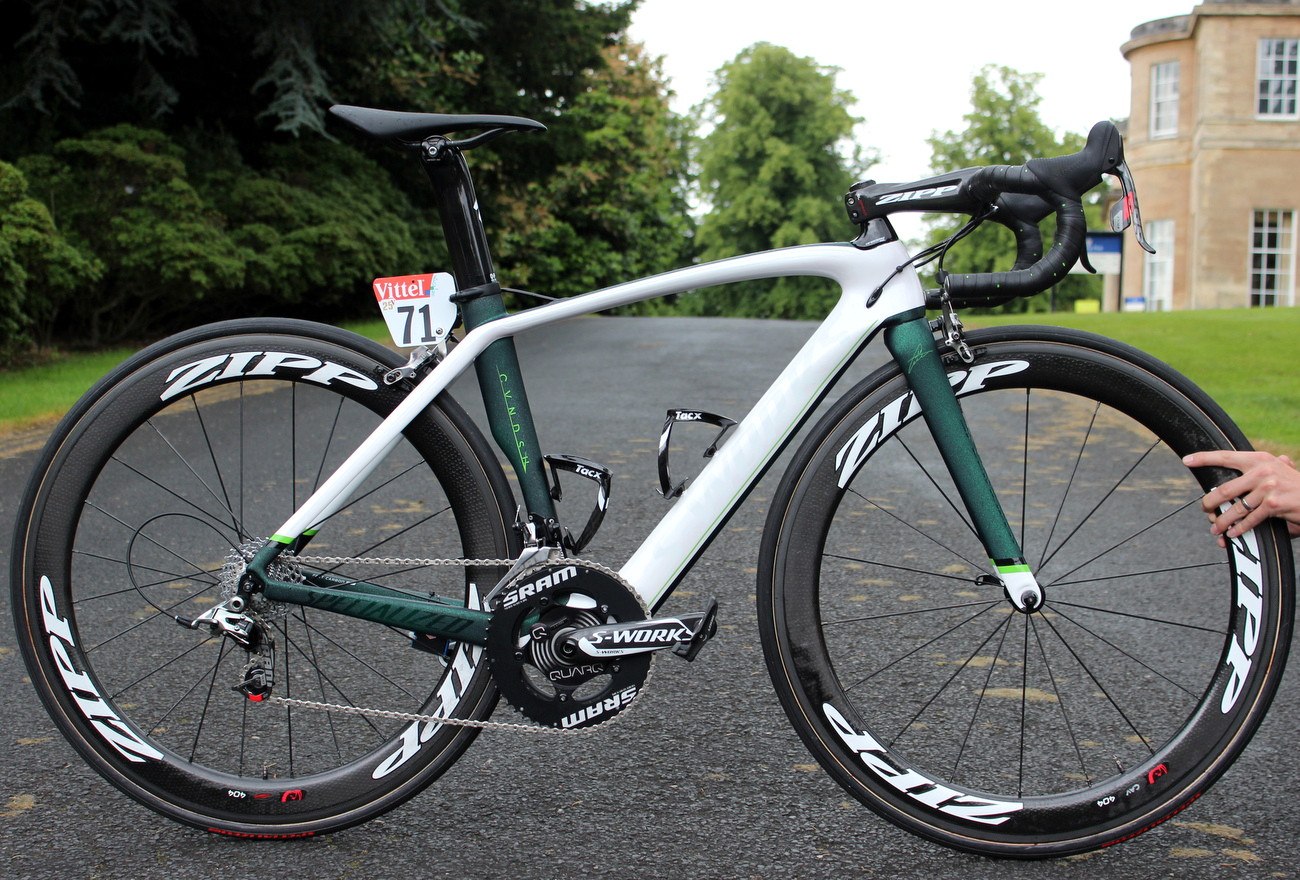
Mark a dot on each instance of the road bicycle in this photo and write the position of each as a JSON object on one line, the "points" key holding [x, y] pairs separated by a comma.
{"points": [[269, 579]]}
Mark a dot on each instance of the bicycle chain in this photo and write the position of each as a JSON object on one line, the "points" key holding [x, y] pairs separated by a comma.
{"points": [[437, 719]]}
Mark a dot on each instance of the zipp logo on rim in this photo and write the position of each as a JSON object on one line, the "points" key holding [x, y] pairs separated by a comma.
{"points": [[914, 784], [1250, 601], [260, 363], [904, 408], [81, 688], [454, 682]]}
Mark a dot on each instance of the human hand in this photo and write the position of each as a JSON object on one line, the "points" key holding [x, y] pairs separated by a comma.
{"points": [[1269, 486]]}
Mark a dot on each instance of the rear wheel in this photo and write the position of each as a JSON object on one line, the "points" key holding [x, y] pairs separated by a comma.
{"points": [[919, 686], [191, 451]]}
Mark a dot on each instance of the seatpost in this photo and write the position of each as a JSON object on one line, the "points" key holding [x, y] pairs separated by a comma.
{"points": [[499, 377]]}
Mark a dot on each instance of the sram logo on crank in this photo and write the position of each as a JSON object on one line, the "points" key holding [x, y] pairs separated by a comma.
{"points": [[535, 662]]}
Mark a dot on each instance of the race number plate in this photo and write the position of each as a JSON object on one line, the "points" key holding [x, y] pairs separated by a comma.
{"points": [[417, 308]]}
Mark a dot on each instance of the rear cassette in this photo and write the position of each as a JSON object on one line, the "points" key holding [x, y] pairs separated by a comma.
{"points": [[537, 671]]}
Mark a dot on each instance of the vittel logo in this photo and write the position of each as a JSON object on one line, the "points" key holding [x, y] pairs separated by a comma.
{"points": [[260, 363]]}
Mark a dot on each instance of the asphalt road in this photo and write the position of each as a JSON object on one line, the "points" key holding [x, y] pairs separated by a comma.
{"points": [[703, 779]]}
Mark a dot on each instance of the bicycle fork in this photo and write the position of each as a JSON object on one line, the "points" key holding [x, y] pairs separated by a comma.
{"points": [[911, 342]]}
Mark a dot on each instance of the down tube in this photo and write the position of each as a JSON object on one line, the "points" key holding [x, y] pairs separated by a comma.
{"points": [[686, 530]]}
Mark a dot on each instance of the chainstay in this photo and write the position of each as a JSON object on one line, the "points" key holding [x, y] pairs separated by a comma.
{"points": [[513, 727], [398, 560]]}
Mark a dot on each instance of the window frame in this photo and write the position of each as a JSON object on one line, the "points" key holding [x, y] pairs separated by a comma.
{"points": [[1281, 250], [1158, 268], [1266, 74], [1164, 106]]}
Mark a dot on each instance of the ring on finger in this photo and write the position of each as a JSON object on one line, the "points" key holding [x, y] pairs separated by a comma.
{"points": [[1245, 505]]}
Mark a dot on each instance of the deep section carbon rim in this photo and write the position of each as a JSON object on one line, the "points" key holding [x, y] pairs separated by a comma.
{"points": [[205, 449], [938, 703]]}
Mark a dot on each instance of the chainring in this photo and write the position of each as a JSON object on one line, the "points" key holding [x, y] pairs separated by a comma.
{"points": [[531, 618]]}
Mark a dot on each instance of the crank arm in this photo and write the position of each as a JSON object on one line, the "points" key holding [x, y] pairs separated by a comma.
{"points": [[684, 634]]}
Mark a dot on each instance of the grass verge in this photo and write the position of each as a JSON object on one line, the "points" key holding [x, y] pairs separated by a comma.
{"points": [[1244, 358]]}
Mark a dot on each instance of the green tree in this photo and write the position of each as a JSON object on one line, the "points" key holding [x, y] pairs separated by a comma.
{"points": [[771, 171], [183, 146], [39, 269], [123, 194], [615, 207], [245, 66], [1004, 127]]}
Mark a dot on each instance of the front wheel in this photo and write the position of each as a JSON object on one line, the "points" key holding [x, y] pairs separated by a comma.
{"points": [[917, 683], [148, 499]]}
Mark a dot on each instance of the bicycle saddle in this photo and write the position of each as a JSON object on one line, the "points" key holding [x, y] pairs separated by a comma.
{"points": [[406, 131]]}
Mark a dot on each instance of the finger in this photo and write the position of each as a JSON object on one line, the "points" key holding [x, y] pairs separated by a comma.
{"points": [[1227, 458], [1217, 497], [1246, 516]]}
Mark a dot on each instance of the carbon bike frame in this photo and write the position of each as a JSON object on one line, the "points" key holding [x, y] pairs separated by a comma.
{"points": [[681, 535]]}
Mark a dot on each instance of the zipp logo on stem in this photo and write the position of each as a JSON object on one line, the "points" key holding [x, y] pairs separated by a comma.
{"points": [[933, 192]]}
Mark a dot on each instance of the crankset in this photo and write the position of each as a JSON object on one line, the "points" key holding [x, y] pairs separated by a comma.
{"points": [[571, 646]]}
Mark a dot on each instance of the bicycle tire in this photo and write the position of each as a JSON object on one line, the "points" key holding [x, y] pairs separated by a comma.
{"points": [[195, 445], [919, 687]]}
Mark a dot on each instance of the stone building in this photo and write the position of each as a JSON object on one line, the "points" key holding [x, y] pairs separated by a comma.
{"points": [[1214, 143]]}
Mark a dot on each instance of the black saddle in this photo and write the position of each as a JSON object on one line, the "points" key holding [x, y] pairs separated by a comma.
{"points": [[407, 131]]}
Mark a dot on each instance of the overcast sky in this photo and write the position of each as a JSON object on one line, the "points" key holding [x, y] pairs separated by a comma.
{"points": [[910, 63]]}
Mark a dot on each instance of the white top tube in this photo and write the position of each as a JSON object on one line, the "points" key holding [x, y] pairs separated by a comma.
{"points": [[660, 561]]}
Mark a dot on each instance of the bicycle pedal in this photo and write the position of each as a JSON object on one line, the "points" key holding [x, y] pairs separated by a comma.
{"points": [[706, 629]]}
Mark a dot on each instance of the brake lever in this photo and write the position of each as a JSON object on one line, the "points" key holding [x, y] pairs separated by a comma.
{"points": [[1125, 212]]}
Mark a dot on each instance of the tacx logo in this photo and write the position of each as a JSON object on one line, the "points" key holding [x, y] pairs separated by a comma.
{"points": [[260, 363]]}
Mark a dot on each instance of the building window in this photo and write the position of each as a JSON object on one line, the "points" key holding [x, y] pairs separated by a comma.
{"points": [[1164, 99], [1278, 73], [1272, 254], [1158, 269]]}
